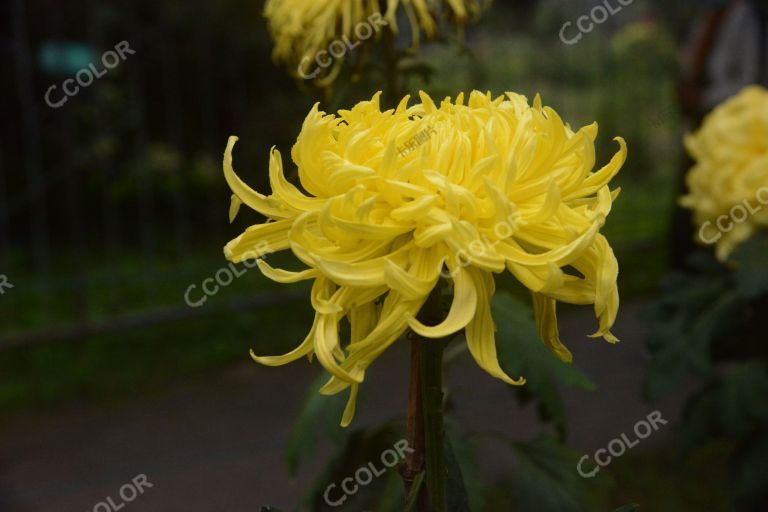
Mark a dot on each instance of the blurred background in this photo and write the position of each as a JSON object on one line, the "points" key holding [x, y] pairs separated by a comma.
{"points": [[115, 361]]}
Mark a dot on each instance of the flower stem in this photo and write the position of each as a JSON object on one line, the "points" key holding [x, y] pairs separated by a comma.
{"points": [[414, 458], [425, 430], [434, 433]]}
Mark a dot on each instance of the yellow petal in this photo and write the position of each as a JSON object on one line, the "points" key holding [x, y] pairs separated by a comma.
{"points": [[285, 276], [462, 308], [262, 204], [481, 338], [546, 322]]}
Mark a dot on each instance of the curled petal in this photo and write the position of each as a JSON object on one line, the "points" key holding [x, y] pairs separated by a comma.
{"points": [[481, 338]]}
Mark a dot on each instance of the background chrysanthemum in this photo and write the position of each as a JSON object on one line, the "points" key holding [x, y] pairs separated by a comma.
{"points": [[731, 154], [498, 185], [303, 28]]}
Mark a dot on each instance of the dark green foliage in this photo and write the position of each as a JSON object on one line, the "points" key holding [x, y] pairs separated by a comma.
{"points": [[751, 263], [521, 353], [319, 418], [457, 497], [359, 449], [546, 479], [413, 495], [711, 325], [464, 476], [684, 323]]}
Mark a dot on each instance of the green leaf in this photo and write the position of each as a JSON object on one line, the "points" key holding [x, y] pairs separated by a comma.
{"points": [[521, 353], [749, 479], [265, 508], [456, 491], [628, 508], [459, 451], [751, 268], [546, 480], [733, 405], [319, 417], [692, 313], [362, 450], [391, 496], [413, 495]]}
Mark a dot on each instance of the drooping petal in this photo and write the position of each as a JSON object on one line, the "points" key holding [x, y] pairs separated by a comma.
{"points": [[462, 308], [305, 348], [544, 309], [390, 199], [262, 204], [481, 338]]}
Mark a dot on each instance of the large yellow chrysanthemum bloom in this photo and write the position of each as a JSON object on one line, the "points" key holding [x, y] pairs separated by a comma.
{"points": [[302, 29], [394, 199], [728, 186]]}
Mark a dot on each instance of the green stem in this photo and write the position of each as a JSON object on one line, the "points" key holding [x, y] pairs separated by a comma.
{"points": [[412, 469], [434, 430], [425, 418]]}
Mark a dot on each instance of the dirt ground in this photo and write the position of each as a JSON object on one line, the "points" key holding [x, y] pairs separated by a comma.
{"points": [[217, 443]]}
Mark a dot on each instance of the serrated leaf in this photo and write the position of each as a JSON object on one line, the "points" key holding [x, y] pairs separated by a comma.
{"points": [[361, 449], [693, 311], [732, 406], [521, 353], [547, 480]]}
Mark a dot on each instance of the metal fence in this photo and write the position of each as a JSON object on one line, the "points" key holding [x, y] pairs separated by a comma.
{"points": [[109, 169], [111, 202]]}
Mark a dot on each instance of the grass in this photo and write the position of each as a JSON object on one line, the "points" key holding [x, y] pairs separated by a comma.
{"points": [[113, 364]]}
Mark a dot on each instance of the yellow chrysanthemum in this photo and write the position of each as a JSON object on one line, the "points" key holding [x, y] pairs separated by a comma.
{"points": [[301, 29], [394, 199], [728, 186]]}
